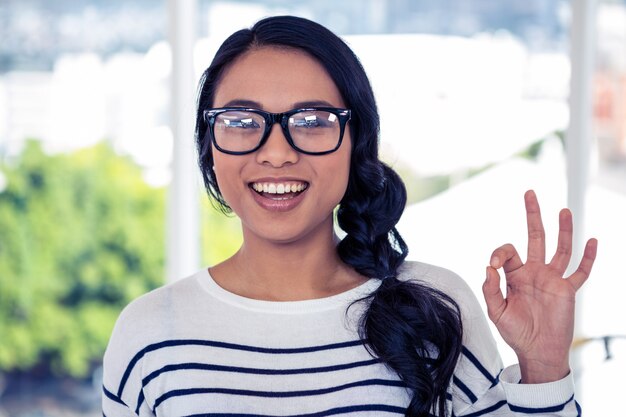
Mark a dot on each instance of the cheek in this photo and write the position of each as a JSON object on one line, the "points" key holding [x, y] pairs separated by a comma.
{"points": [[346, 148], [340, 171], [226, 171]]}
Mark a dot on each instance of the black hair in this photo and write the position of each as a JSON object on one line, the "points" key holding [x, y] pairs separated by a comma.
{"points": [[414, 329]]}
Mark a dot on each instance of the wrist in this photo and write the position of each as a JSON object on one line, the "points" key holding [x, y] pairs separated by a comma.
{"points": [[538, 372]]}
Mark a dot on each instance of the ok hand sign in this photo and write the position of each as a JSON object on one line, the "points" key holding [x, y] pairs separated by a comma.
{"points": [[537, 316]]}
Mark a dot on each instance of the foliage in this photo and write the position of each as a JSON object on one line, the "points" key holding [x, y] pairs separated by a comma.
{"points": [[81, 235]]}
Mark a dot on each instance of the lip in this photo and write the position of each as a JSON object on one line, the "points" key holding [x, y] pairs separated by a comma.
{"points": [[278, 205]]}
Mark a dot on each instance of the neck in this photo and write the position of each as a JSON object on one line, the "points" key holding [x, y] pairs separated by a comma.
{"points": [[306, 269]]}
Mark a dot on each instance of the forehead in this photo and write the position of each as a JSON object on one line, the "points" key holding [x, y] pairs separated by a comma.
{"points": [[276, 79]]}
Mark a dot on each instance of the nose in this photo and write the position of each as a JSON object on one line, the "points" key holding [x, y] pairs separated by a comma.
{"points": [[276, 151]]}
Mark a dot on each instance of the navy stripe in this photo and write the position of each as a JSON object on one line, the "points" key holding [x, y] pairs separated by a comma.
{"points": [[139, 401], [487, 410], [234, 346], [474, 360], [330, 412], [528, 410], [465, 389], [578, 409], [274, 394], [112, 396], [257, 371]]}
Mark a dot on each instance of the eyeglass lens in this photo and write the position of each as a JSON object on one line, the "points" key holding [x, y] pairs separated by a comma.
{"points": [[310, 131]]}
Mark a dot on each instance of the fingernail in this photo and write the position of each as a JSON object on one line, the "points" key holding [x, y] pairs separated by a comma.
{"points": [[495, 261]]}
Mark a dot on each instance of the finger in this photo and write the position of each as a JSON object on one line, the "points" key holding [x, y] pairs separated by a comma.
{"points": [[506, 257], [536, 233], [563, 253], [579, 276], [493, 295]]}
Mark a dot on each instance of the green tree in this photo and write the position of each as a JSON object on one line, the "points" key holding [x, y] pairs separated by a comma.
{"points": [[81, 235]]}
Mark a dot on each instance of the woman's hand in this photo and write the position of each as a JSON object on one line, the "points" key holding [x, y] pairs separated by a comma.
{"points": [[537, 316]]}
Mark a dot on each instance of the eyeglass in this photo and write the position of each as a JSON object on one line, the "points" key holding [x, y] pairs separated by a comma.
{"points": [[312, 131]]}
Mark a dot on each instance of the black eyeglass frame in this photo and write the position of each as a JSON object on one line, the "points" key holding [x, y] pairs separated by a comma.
{"points": [[344, 115]]}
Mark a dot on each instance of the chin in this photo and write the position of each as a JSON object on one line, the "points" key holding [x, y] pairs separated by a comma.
{"points": [[288, 232]]}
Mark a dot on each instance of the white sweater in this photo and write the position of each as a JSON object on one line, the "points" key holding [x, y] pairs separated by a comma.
{"points": [[192, 348]]}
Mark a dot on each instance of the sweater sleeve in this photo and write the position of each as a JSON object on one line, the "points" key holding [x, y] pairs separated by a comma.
{"points": [[113, 406], [118, 387], [136, 328], [480, 386], [115, 400]]}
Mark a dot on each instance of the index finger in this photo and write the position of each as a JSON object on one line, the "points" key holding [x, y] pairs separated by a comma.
{"points": [[536, 232]]}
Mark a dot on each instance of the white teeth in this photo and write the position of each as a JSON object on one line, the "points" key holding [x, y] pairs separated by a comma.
{"points": [[278, 188]]}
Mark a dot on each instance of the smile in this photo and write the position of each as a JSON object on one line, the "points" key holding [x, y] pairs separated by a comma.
{"points": [[279, 196], [282, 189]]}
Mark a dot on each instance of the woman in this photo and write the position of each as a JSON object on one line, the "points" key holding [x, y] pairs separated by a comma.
{"points": [[300, 323]]}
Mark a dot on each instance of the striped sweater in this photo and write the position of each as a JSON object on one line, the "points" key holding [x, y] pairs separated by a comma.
{"points": [[192, 348]]}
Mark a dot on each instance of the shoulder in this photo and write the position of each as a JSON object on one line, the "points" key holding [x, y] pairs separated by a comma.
{"points": [[444, 280], [433, 276], [156, 304], [149, 319], [152, 315]]}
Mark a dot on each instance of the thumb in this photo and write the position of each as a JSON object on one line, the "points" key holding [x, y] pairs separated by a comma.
{"points": [[493, 295]]}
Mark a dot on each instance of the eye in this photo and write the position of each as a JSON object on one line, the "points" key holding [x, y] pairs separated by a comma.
{"points": [[241, 123], [239, 120], [316, 119]]}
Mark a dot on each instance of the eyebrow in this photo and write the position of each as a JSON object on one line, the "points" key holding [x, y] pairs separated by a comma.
{"points": [[243, 103], [257, 105], [314, 103]]}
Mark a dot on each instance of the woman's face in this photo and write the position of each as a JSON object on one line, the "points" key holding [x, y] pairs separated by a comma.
{"points": [[278, 80]]}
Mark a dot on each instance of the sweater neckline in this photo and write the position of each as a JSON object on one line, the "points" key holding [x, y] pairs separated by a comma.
{"points": [[342, 299]]}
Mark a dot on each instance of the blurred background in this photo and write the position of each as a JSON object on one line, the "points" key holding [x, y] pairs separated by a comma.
{"points": [[480, 100]]}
